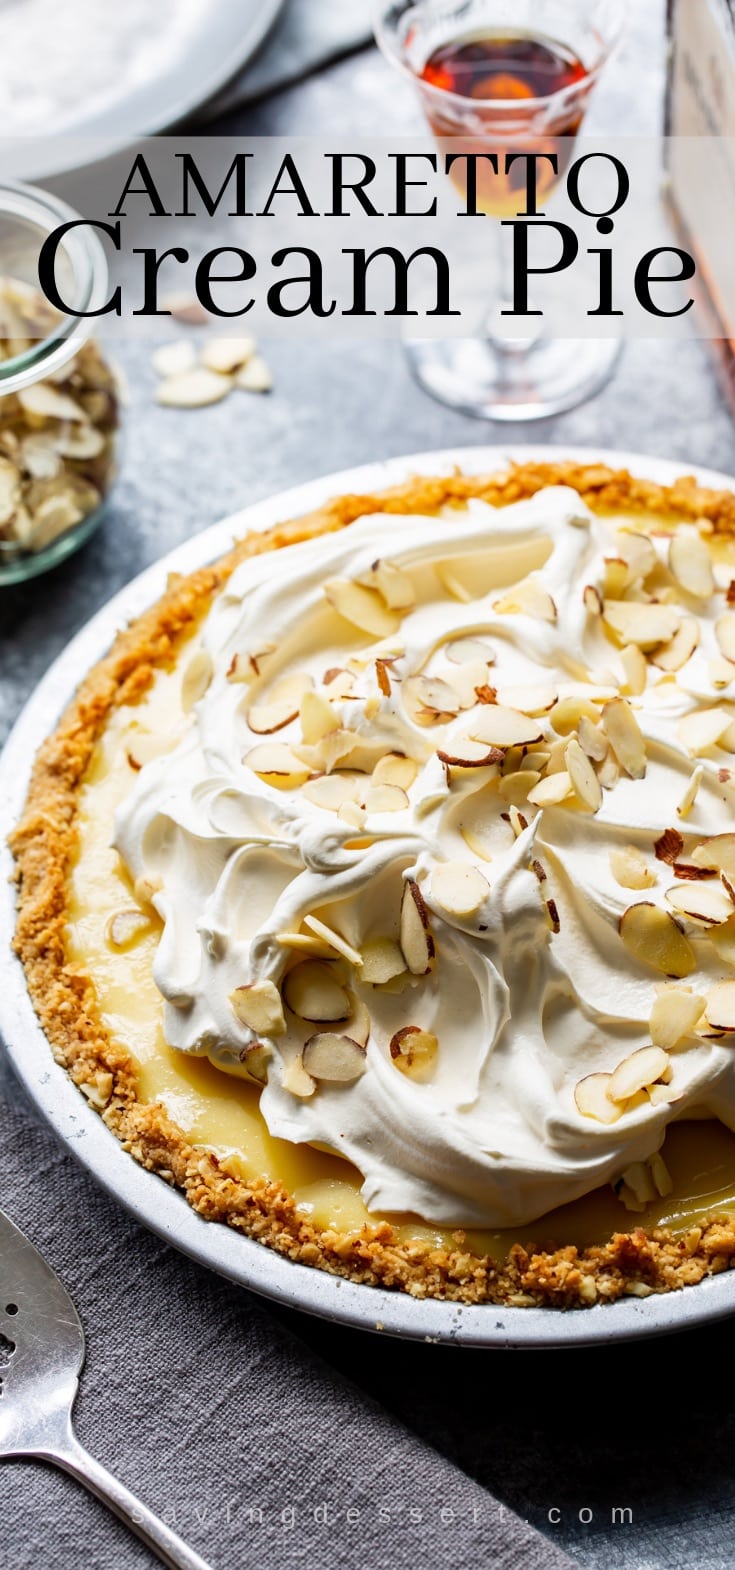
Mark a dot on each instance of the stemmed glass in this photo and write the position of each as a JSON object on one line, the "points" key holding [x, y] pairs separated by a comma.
{"points": [[506, 75]]}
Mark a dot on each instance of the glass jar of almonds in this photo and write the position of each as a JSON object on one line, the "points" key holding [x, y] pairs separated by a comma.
{"points": [[59, 396]]}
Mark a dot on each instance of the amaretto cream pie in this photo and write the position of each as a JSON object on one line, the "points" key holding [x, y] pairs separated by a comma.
{"points": [[381, 893]]}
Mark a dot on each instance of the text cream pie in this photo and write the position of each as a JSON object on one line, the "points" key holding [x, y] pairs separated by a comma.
{"points": [[414, 957]]}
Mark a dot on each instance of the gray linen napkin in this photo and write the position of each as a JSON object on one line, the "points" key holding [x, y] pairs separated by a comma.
{"points": [[309, 34], [218, 1417]]}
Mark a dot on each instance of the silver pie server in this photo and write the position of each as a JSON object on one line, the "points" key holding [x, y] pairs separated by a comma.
{"points": [[41, 1356]]}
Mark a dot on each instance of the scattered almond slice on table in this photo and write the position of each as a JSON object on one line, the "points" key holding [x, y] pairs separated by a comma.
{"points": [[194, 375]]}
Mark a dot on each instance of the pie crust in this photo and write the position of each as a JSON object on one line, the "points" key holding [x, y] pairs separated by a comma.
{"points": [[633, 1262]]}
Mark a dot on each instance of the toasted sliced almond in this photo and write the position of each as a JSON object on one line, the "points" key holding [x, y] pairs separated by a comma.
{"points": [[313, 992], [528, 598], [518, 822], [642, 1068], [635, 669], [296, 1080], [258, 1005], [717, 853], [663, 1095], [459, 888], [331, 791], [196, 679], [720, 1006], [469, 681], [590, 1095], [585, 783], [192, 389], [317, 716], [255, 376], [617, 578], [568, 712], [468, 754], [463, 651], [498, 726], [393, 584], [125, 928], [592, 599], [654, 938], [385, 798], [725, 635], [532, 698], [395, 769], [333, 939], [690, 563], [688, 799], [277, 765], [637, 551], [328, 753], [281, 704], [643, 624], [414, 1051], [629, 868], [429, 699], [255, 1060], [363, 608], [673, 655], [227, 354], [709, 903], [334, 1057], [669, 846], [416, 938], [625, 736], [608, 771], [674, 1015], [592, 739], [552, 790], [702, 729], [382, 959]]}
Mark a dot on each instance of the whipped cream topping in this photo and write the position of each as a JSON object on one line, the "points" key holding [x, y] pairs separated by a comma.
{"points": [[531, 987]]}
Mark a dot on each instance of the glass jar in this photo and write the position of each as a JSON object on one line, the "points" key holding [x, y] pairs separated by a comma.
{"points": [[59, 397]]}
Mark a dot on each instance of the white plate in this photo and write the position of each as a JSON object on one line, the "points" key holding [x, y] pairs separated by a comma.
{"points": [[165, 1211], [212, 41]]}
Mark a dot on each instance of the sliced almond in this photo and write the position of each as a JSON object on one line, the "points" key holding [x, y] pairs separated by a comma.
{"points": [[674, 1015], [637, 551], [196, 679], [531, 698], [635, 1187], [429, 699], [635, 669], [608, 771], [171, 359], [468, 754], [469, 681], [333, 1057], [459, 888], [296, 1080], [568, 712], [414, 1051], [475, 842], [552, 790], [640, 1069], [625, 736], [313, 992], [392, 583], [592, 1100], [669, 846], [663, 1095], [585, 783], [673, 655], [528, 598], [617, 578], [395, 769], [721, 672], [702, 729], [717, 853], [332, 750], [317, 716], [720, 1006], [125, 928], [385, 798], [629, 868], [592, 599], [258, 1005], [654, 938], [643, 624], [417, 942], [281, 705], [591, 739], [498, 726], [515, 787], [690, 563], [305, 943], [363, 608], [143, 747], [706, 902], [517, 822], [661, 1176], [255, 376], [185, 307], [331, 791], [245, 667], [255, 1060], [43, 399], [451, 580], [690, 794], [192, 389], [725, 635], [277, 765], [334, 939], [463, 651], [382, 960], [722, 939], [226, 354]]}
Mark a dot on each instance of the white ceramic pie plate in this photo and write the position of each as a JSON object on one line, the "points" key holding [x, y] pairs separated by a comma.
{"points": [[164, 1210]]}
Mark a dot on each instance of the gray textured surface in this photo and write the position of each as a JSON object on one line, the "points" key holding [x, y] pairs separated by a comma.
{"points": [[648, 1428]]}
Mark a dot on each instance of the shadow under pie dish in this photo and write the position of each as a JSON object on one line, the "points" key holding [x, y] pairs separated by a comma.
{"points": [[415, 923]]}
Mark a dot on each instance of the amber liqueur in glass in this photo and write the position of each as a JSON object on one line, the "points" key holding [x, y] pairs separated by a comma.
{"points": [[500, 73]]}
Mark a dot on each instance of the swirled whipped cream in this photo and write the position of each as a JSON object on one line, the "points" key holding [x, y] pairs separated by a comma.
{"points": [[445, 857]]}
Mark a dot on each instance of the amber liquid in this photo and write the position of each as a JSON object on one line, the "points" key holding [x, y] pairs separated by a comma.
{"points": [[500, 74]]}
